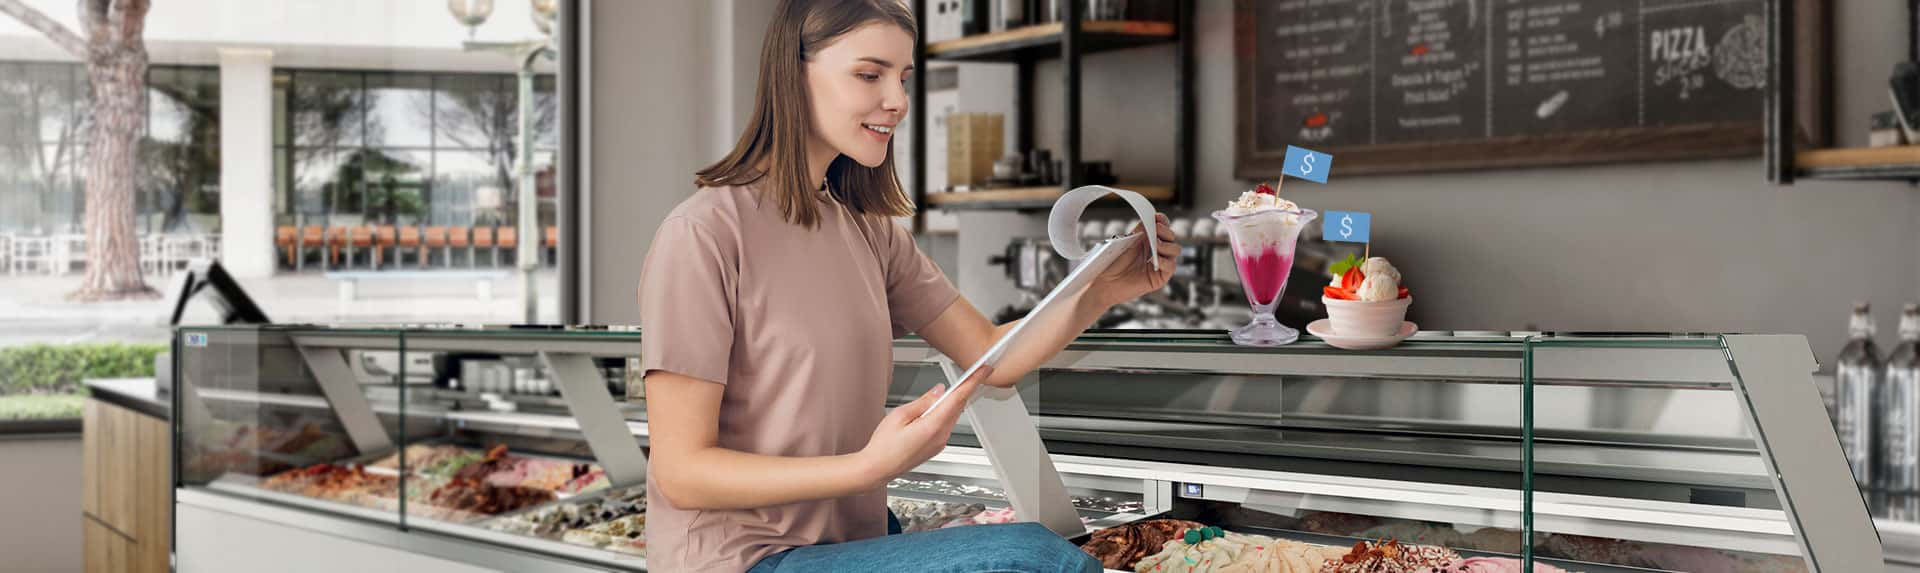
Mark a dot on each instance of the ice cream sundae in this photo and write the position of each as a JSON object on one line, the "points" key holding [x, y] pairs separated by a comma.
{"points": [[1367, 300], [1262, 229]]}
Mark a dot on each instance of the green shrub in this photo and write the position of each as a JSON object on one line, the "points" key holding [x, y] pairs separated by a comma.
{"points": [[49, 369], [48, 407]]}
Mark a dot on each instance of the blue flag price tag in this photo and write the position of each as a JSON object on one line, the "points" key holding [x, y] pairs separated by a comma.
{"points": [[1307, 164], [1347, 227]]}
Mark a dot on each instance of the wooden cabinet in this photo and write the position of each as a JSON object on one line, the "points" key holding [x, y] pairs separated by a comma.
{"points": [[126, 490], [107, 551]]}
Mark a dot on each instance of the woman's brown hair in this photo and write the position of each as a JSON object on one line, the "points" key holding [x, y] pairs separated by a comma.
{"points": [[776, 136]]}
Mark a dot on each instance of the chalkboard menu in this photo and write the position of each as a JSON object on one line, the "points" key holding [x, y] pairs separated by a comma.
{"points": [[1419, 85]]}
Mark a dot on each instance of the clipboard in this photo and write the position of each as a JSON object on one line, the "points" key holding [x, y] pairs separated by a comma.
{"points": [[1097, 261], [1102, 256]]}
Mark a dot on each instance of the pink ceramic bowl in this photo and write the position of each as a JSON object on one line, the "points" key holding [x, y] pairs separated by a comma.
{"points": [[1357, 318]]}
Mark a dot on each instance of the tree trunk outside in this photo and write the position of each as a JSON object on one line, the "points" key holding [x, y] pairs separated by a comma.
{"points": [[118, 75]]}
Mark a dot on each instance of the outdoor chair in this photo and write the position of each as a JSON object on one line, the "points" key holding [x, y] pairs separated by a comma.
{"points": [[31, 254], [410, 240], [507, 241], [461, 238], [286, 238], [362, 239], [552, 242], [151, 252], [436, 238], [311, 237], [384, 237], [483, 238], [336, 239], [70, 253]]}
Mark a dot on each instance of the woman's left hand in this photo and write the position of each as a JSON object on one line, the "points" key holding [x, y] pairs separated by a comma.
{"points": [[1134, 274]]}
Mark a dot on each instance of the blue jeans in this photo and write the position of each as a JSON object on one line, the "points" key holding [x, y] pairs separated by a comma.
{"points": [[1016, 547]]}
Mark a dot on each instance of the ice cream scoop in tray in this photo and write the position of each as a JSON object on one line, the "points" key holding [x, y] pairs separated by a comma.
{"points": [[1237, 519]]}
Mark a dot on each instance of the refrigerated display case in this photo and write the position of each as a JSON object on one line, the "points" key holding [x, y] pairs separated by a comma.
{"points": [[1592, 453]]}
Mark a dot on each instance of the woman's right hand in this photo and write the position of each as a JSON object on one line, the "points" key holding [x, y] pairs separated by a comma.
{"points": [[910, 434]]}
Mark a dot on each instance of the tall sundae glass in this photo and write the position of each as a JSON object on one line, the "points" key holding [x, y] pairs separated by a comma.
{"points": [[1263, 229]]}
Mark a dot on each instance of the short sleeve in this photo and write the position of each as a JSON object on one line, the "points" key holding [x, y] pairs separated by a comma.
{"points": [[917, 290], [687, 295]]}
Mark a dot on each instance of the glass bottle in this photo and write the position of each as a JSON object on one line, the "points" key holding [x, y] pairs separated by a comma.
{"points": [[1856, 380], [1899, 415]]}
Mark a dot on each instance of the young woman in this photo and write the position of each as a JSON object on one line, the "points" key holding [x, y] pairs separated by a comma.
{"points": [[769, 302]]}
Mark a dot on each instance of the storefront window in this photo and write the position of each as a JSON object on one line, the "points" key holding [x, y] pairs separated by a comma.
{"points": [[337, 155], [433, 149], [180, 162], [400, 110], [41, 133]]}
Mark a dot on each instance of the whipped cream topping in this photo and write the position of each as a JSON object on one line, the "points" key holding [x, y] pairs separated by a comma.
{"points": [[1254, 201], [1255, 234]]}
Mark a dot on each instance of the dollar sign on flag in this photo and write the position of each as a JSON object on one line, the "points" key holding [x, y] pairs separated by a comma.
{"points": [[1309, 165], [1354, 226]]}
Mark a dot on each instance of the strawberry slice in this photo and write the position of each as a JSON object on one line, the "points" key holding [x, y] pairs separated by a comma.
{"points": [[1335, 293], [1351, 280]]}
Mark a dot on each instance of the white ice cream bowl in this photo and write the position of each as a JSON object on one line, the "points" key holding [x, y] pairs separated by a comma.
{"points": [[1361, 318]]}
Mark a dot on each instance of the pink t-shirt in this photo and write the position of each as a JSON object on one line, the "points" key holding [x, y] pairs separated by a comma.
{"points": [[799, 325]]}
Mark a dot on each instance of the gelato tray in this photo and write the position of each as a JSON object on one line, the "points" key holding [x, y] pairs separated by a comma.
{"points": [[447, 482], [613, 520], [498, 466], [1340, 543]]}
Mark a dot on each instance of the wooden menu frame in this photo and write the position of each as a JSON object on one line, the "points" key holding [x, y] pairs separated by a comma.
{"points": [[1698, 141]]}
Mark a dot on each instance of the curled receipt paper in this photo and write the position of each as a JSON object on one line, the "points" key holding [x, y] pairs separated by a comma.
{"points": [[1065, 220], [1061, 231]]}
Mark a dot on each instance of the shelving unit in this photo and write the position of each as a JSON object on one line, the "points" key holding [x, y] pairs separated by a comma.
{"points": [[1789, 158], [1878, 163], [1029, 198], [1068, 41], [1043, 41]]}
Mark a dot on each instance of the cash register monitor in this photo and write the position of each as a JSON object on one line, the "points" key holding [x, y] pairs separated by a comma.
{"points": [[207, 280]]}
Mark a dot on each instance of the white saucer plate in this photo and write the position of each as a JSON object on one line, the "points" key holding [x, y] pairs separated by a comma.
{"points": [[1323, 329]]}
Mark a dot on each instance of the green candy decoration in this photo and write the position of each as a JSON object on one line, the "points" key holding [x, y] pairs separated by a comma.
{"points": [[1193, 536]]}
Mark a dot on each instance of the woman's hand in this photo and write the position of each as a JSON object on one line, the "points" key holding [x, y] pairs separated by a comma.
{"points": [[911, 434], [1133, 275]]}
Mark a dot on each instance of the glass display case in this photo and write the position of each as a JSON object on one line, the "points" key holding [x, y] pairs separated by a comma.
{"points": [[522, 450], [1670, 452]]}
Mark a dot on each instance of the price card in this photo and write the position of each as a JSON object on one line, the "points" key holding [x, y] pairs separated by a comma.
{"points": [[1307, 164], [1347, 227]]}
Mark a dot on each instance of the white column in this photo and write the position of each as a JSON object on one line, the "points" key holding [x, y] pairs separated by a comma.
{"points": [[246, 162]]}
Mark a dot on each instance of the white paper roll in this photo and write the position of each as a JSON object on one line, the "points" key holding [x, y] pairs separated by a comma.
{"points": [[1064, 222]]}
